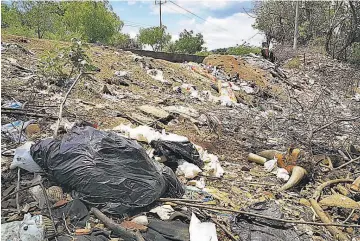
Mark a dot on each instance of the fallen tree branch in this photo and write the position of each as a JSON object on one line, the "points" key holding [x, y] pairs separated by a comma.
{"points": [[124, 233], [338, 235], [319, 189], [265, 217], [63, 103], [17, 189], [19, 112]]}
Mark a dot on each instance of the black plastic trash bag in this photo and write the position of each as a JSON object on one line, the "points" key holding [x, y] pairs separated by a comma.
{"points": [[251, 228], [177, 152], [105, 170], [167, 230]]}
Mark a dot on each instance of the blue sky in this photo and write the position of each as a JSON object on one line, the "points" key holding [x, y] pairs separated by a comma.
{"points": [[226, 23]]}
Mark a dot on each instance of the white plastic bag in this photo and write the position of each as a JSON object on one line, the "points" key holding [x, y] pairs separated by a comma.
{"points": [[163, 211], [202, 231], [23, 159], [30, 229], [189, 170]]}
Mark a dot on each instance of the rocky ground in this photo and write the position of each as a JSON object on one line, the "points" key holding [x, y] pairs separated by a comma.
{"points": [[310, 102]]}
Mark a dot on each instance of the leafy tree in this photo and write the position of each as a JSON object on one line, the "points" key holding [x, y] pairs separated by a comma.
{"points": [[189, 42], [156, 37]]}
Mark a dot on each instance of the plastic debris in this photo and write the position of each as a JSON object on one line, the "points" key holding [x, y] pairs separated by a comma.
{"points": [[12, 104], [163, 211], [270, 165], [256, 228], [157, 75], [15, 130], [31, 228], [105, 168], [175, 153], [189, 170], [23, 159], [202, 231], [148, 134], [212, 166]]}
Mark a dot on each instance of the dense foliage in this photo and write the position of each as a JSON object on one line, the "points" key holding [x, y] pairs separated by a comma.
{"points": [[334, 25], [92, 21]]}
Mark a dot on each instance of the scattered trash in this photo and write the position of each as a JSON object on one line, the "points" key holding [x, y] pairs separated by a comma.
{"points": [[15, 130], [202, 231], [188, 170], [255, 228], [175, 153], [23, 159], [148, 134], [101, 166], [257, 159], [12, 104], [164, 211], [212, 166], [157, 75], [30, 229]]}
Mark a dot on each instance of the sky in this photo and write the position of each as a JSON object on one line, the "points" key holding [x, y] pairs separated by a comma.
{"points": [[226, 25]]}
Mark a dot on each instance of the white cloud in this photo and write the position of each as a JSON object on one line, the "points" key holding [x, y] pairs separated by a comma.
{"points": [[131, 2], [225, 32]]}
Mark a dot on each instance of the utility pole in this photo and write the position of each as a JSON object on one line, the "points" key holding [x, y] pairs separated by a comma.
{"points": [[296, 24], [160, 2]]}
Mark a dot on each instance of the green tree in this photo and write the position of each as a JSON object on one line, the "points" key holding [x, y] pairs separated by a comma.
{"points": [[156, 37], [189, 42], [94, 21]]}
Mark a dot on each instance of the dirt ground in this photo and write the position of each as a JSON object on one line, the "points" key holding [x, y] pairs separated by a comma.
{"points": [[314, 107]]}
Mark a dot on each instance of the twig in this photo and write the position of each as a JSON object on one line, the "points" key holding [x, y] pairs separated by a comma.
{"points": [[319, 189], [67, 228], [222, 227], [17, 193], [347, 219], [63, 103], [347, 163], [265, 217], [333, 122], [49, 209], [124, 233]]}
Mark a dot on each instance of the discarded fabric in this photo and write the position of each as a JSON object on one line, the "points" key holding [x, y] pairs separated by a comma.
{"points": [[105, 169]]}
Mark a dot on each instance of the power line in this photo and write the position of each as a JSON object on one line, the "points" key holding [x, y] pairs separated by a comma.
{"points": [[203, 19]]}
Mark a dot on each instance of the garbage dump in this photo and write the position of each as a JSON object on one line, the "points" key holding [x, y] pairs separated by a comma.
{"points": [[105, 170]]}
